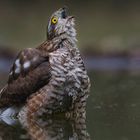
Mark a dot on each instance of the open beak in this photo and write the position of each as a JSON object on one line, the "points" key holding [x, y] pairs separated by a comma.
{"points": [[64, 12]]}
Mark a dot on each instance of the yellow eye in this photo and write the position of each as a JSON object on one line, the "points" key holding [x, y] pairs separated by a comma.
{"points": [[54, 20]]}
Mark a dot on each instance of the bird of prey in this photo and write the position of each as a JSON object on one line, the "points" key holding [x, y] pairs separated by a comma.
{"points": [[51, 78]]}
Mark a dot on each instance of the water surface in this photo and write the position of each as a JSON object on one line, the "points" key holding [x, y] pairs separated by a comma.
{"points": [[113, 113]]}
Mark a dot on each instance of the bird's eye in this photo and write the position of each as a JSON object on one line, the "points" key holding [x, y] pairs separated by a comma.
{"points": [[54, 20]]}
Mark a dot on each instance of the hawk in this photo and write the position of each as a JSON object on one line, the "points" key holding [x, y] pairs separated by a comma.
{"points": [[51, 78]]}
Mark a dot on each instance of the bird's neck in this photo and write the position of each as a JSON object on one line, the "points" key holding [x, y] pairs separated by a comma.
{"points": [[70, 37], [52, 45]]}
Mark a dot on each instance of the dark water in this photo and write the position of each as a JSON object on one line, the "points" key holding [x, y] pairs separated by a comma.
{"points": [[114, 106], [113, 113]]}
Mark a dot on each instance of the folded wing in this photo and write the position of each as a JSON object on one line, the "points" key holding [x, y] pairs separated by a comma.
{"points": [[30, 72]]}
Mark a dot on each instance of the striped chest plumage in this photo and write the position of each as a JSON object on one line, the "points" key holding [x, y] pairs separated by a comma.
{"points": [[69, 77]]}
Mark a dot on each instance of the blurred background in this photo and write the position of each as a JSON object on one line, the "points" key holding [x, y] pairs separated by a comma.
{"points": [[109, 40]]}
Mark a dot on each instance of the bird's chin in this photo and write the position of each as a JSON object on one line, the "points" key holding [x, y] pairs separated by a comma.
{"points": [[71, 19]]}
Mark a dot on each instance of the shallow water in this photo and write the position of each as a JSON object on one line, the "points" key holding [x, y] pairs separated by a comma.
{"points": [[113, 113]]}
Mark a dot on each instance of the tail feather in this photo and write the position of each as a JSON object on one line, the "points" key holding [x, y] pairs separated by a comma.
{"points": [[9, 115]]}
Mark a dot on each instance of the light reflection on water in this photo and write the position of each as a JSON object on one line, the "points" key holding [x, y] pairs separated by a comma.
{"points": [[113, 113]]}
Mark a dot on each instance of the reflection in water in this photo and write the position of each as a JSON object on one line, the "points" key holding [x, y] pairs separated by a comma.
{"points": [[56, 129]]}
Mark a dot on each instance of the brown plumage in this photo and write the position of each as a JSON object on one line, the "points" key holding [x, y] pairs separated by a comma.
{"points": [[52, 77], [27, 81], [57, 128]]}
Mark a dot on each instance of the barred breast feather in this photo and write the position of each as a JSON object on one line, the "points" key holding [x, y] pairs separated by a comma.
{"points": [[68, 87]]}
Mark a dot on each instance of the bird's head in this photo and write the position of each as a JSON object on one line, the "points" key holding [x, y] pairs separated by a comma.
{"points": [[60, 23]]}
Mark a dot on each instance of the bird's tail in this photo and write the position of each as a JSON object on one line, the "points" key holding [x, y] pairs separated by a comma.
{"points": [[9, 115], [6, 113]]}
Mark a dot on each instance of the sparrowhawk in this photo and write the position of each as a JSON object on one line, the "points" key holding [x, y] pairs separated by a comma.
{"points": [[51, 78]]}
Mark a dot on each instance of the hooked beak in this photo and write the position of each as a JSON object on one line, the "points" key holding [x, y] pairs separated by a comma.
{"points": [[64, 12]]}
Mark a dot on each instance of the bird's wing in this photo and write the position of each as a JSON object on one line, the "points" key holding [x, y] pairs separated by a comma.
{"points": [[26, 61], [30, 71]]}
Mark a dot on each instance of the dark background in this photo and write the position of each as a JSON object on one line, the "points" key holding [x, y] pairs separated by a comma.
{"points": [[109, 40], [102, 25]]}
